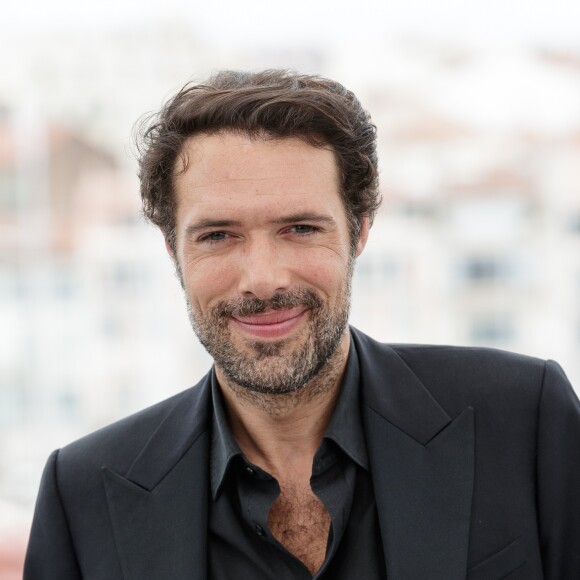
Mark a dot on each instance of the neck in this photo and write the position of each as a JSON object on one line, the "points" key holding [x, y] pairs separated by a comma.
{"points": [[281, 432]]}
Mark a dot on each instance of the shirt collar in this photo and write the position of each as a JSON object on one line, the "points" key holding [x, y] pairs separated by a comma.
{"points": [[223, 446], [345, 427]]}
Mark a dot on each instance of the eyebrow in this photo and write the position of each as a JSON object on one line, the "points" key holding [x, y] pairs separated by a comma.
{"points": [[209, 223], [305, 217], [205, 224]]}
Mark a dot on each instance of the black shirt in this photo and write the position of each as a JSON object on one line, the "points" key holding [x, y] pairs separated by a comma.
{"points": [[240, 542]]}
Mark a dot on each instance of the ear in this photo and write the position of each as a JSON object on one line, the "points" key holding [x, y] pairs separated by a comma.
{"points": [[168, 248], [365, 226]]}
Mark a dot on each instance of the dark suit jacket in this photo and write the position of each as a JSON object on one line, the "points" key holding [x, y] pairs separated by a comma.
{"points": [[474, 456]]}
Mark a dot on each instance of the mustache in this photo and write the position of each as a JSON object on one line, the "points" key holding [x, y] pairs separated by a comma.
{"points": [[248, 306]]}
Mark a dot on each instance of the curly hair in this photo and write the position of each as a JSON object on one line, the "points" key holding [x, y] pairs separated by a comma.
{"points": [[274, 104]]}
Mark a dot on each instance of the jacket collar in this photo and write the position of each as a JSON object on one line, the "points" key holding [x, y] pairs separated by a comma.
{"points": [[159, 508], [393, 391], [182, 426], [422, 465], [421, 461]]}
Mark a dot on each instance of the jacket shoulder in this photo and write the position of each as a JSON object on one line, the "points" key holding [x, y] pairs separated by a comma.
{"points": [[490, 362], [484, 375], [117, 444], [459, 376]]}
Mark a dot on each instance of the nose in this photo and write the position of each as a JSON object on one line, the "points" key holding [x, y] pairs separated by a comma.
{"points": [[263, 270]]}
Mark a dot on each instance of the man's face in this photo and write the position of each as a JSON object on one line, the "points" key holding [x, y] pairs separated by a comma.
{"points": [[265, 255]]}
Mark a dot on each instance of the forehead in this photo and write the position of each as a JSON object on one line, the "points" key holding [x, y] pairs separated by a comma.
{"points": [[228, 152], [230, 169]]}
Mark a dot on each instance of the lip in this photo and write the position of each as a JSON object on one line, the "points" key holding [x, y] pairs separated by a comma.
{"points": [[274, 324]]}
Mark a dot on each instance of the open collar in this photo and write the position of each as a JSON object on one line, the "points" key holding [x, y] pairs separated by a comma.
{"points": [[345, 427], [421, 461]]}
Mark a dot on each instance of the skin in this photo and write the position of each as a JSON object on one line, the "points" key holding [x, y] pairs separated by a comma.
{"points": [[258, 218]]}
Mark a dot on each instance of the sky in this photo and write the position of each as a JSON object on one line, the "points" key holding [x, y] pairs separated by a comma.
{"points": [[528, 22], [362, 41]]}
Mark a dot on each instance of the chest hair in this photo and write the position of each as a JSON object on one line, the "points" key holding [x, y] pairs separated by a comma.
{"points": [[300, 522]]}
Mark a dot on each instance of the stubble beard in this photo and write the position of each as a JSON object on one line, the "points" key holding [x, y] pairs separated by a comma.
{"points": [[256, 368]]}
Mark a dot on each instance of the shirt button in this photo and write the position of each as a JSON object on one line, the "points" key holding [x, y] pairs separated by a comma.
{"points": [[250, 471], [259, 530]]}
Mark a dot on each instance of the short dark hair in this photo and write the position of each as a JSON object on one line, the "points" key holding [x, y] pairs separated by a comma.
{"points": [[271, 103]]}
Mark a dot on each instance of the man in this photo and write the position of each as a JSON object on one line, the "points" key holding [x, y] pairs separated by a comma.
{"points": [[309, 450]]}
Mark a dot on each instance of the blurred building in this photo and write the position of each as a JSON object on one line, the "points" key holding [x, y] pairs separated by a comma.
{"points": [[87, 301], [478, 241], [484, 252], [492, 261]]}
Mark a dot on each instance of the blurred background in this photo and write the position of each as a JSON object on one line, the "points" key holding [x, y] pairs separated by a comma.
{"points": [[477, 243]]}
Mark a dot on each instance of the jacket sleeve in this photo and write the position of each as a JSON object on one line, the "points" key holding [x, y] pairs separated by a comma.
{"points": [[558, 473], [50, 554]]}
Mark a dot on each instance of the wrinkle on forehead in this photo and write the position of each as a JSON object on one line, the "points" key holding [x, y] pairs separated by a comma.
{"points": [[226, 170], [191, 146], [232, 180]]}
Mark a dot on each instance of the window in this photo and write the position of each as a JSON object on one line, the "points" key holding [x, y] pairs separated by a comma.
{"points": [[492, 329], [574, 223], [8, 190], [476, 270]]}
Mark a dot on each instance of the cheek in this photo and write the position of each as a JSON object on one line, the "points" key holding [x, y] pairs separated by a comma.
{"points": [[207, 282], [327, 275]]}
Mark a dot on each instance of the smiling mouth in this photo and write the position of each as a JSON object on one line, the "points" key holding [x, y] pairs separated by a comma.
{"points": [[271, 324]]}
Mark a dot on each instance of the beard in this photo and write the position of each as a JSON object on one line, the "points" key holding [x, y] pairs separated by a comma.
{"points": [[274, 367]]}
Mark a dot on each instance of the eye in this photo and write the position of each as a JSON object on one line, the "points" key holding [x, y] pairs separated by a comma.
{"points": [[214, 237], [303, 229]]}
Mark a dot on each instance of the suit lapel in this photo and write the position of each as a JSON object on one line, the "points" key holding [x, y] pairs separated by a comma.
{"points": [[159, 508], [421, 461], [422, 464]]}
